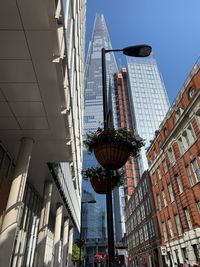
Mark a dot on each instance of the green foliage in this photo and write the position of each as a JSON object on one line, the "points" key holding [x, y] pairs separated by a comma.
{"points": [[100, 174], [111, 135], [76, 253]]}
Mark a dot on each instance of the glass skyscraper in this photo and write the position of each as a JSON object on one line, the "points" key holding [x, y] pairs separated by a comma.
{"points": [[93, 118], [149, 100]]}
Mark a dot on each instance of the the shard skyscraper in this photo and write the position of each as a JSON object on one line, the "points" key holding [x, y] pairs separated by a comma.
{"points": [[95, 230]]}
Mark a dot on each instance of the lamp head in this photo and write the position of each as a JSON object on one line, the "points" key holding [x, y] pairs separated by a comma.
{"points": [[137, 50]]}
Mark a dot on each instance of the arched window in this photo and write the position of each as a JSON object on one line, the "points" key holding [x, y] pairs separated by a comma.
{"points": [[191, 92]]}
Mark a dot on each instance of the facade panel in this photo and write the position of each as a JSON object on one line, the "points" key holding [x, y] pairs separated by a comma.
{"points": [[149, 101]]}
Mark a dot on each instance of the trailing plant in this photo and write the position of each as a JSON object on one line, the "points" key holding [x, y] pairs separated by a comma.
{"points": [[76, 253], [100, 174], [121, 136]]}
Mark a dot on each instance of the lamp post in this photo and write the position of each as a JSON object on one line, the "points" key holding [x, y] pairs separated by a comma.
{"points": [[134, 51], [80, 237]]}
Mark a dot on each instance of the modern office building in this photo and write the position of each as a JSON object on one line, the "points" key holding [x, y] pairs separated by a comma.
{"points": [[149, 101], [93, 220], [41, 106], [174, 167], [140, 104], [93, 116]]}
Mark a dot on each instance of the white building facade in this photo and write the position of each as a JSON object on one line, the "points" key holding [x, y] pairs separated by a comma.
{"points": [[41, 104]]}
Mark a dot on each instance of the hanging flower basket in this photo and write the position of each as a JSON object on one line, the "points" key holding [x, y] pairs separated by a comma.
{"points": [[100, 187], [98, 178], [112, 148], [111, 156]]}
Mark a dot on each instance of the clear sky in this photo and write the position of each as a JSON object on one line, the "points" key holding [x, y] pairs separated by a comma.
{"points": [[171, 27]]}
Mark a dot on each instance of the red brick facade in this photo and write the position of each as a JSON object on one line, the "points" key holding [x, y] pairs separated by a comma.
{"points": [[143, 237], [174, 164]]}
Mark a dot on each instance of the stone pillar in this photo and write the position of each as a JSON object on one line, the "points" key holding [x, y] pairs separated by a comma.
{"points": [[14, 204], [57, 234], [43, 225], [65, 240], [70, 244], [191, 255]]}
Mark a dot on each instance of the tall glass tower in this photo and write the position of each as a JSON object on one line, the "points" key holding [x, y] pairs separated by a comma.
{"points": [[149, 100], [93, 118]]}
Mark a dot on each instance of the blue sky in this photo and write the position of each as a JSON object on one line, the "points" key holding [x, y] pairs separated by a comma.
{"points": [[171, 27]]}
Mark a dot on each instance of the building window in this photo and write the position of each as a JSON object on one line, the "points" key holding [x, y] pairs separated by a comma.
{"points": [[170, 228], [133, 204], [190, 177], [145, 186], [152, 227], [188, 137], [140, 193], [164, 165], [136, 222], [146, 236], [137, 238], [136, 199], [142, 211], [148, 206], [196, 252], [191, 92], [191, 134], [141, 235], [179, 182], [181, 145], [177, 256], [159, 203], [159, 174], [133, 238], [196, 170], [164, 198], [171, 155], [187, 215], [198, 206], [155, 154], [178, 224], [179, 111], [171, 192], [164, 231], [165, 132], [138, 216]]}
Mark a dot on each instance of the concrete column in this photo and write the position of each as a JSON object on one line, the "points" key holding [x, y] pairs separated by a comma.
{"points": [[43, 225], [57, 234], [191, 255], [65, 240], [14, 204], [69, 263]]}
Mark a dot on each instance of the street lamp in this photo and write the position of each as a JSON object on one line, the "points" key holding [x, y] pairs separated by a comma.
{"points": [[80, 237], [133, 51]]}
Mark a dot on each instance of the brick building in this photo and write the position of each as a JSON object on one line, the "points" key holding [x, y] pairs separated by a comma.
{"points": [[174, 166], [124, 119], [143, 238]]}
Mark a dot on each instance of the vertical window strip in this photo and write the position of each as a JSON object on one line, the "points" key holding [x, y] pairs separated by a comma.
{"points": [[196, 170]]}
